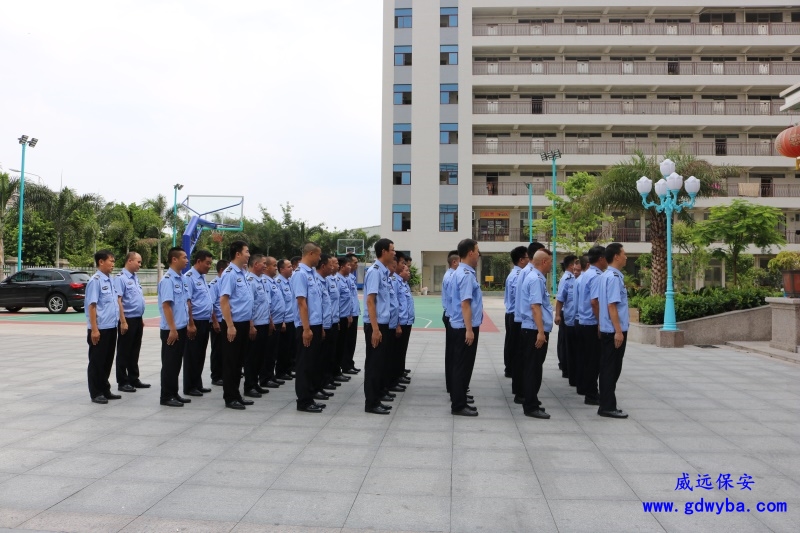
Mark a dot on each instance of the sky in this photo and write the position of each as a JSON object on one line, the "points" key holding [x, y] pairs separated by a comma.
{"points": [[275, 100]]}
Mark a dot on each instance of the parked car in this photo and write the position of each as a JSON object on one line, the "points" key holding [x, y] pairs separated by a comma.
{"points": [[54, 288]]}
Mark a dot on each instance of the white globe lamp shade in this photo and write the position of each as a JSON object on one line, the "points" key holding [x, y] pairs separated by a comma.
{"points": [[674, 181], [692, 185], [644, 185], [667, 167], [661, 187]]}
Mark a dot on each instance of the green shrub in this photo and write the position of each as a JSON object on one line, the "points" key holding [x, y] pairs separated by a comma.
{"points": [[705, 302]]}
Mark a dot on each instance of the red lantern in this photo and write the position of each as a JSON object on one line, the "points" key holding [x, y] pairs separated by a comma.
{"points": [[788, 142]]}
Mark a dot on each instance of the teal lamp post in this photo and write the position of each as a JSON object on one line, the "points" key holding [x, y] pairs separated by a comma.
{"points": [[23, 140], [553, 155], [667, 190], [176, 187]]}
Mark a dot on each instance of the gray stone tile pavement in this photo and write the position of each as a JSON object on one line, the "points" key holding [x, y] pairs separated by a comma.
{"points": [[134, 466]]}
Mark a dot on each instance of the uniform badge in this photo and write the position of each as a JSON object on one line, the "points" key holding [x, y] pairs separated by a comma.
{"points": [[177, 286]]}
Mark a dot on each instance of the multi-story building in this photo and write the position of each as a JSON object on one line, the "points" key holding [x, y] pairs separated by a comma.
{"points": [[475, 90]]}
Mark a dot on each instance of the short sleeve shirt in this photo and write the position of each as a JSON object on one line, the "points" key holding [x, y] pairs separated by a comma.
{"points": [[376, 281], [612, 291], [277, 303], [100, 290], [566, 296], [327, 317], [509, 297], [128, 286], [172, 291], [464, 286], [534, 292], [584, 292], [304, 285], [198, 294], [240, 296], [261, 299]]}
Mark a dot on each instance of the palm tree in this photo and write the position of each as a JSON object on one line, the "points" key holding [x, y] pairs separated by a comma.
{"points": [[61, 208], [616, 191], [9, 192], [162, 209]]}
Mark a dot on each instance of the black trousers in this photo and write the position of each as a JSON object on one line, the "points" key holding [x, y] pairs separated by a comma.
{"points": [[573, 347], [267, 372], [216, 353], [304, 365], [254, 358], [448, 351], [194, 357], [590, 367], [391, 355], [534, 360], [403, 350], [610, 369], [286, 348], [171, 359], [101, 359], [510, 344], [517, 361], [374, 365], [128, 348], [329, 354], [352, 341], [462, 365], [233, 355], [342, 340], [561, 346]]}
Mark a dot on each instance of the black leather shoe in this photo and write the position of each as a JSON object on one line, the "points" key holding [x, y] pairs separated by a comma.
{"points": [[262, 390], [218, 382], [110, 396], [342, 378], [397, 388], [139, 385], [311, 408], [337, 383], [204, 390], [390, 394], [508, 375], [126, 388], [253, 393], [538, 413], [404, 381], [387, 399], [320, 405], [235, 404], [100, 399], [329, 387], [387, 407], [616, 413], [271, 385], [183, 400], [470, 401], [279, 381], [519, 399], [320, 396], [470, 397], [172, 402], [350, 371], [246, 402], [465, 412], [407, 370], [193, 392], [472, 408], [591, 401], [284, 377], [377, 410]]}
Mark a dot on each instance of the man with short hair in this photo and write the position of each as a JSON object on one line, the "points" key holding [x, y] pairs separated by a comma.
{"points": [[342, 280], [518, 361], [286, 341], [216, 319], [172, 297], [391, 370], [348, 365], [131, 326], [295, 263], [263, 325], [308, 328], [519, 258], [407, 317], [614, 320], [236, 302], [200, 308], [564, 305], [376, 326], [452, 265], [586, 297], [322, 383], [101, 306]]}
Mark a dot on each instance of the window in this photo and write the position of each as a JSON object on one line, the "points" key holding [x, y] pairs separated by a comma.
{"points": [[448, 17], [763, 17], [402, 134], [402, 18], [402, 95], [401, 175], [401, 217], [717, 17], [448, 133], [448, 54], [448, 93], [448, 217], [448, 174], [402, 56]]}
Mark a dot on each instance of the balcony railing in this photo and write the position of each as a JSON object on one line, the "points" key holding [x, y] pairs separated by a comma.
{"points": [[587, 147], [627, 107], [636, 68], [616, 28], [765, 190], [512, 188], [509, 234], [792, 236]]}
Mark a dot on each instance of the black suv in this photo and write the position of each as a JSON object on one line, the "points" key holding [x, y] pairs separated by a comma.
{"points": [[54, 288]]}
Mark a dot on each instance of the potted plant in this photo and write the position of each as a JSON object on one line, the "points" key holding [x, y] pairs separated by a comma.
{"points": [[788, 263]]}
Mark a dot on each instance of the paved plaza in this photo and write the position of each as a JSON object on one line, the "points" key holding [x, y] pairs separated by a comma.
{"points": [[69, 465]]}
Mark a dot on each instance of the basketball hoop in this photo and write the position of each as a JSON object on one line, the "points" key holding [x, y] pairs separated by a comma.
{"points": [[217, 237]]}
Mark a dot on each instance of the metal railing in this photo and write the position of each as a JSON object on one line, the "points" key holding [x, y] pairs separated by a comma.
{"points": [[637, 28], [765, 190], [627, 107], [535, 147], [509, 234], [636, 68], [512, 188]]}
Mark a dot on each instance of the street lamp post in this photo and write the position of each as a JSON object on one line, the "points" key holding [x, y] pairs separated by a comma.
{"points": [[667, 190], [23, 140], [553, 155], [176, 187]]}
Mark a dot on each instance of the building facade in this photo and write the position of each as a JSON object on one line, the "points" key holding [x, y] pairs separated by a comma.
{"points": [[475, 90]]}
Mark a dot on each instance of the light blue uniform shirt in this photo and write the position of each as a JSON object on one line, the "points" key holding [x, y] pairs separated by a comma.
{"points": [[585, 290], [376, 281], [304, 285], [100, 290], [127, 285], [277, 305], [518, 306], [534, 291], [464, 286], [510, 295], [213, 293], [402, 299], [345, 296], [290, 304], [261, 299], [198, 294], [612, 291], [240, 296], [394, 301], [173, 289], [333, 292], [352, 281], [327, 316], [566, 296], [446, 291], [412, 316]]}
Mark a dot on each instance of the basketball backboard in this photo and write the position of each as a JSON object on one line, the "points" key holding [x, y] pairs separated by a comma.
{"points": [[350, 246], [226, 212]]}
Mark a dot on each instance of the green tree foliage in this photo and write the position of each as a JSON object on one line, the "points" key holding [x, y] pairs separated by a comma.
{"points": [[692, 258], [39, 239]]}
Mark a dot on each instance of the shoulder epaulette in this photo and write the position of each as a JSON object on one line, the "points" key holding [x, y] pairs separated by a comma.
{"points": [[188, 273], [166, 275], [96, 277], [375, 266], [228, 269], [250, 278]]}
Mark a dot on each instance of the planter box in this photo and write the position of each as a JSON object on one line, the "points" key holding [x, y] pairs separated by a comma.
{"points": [[746, 325]]}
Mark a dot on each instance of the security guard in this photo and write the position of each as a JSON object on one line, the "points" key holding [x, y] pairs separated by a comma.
{"points": [[341, 278], [519, 257], [614, 320], [172, 297], [537, 322], [452, 263], [565, 304], [392, 353], [518, 362], [331, 366], [262, 322], [308, 327], [407, 317], [216, 320], [102, 315], [277, 310], [322, 384], [348, 365], [466, 316], [131, 327], [286, 342], [376, 325], [200, 310], [236, 303], [586, 297]]}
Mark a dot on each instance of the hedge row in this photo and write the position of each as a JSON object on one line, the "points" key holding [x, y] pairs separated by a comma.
{"points": [[705, 302]]}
